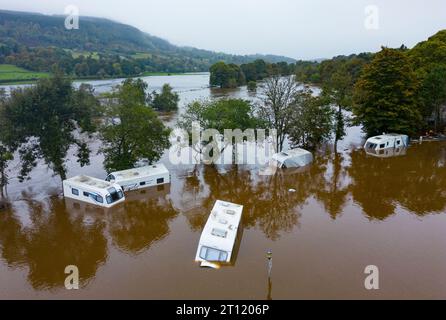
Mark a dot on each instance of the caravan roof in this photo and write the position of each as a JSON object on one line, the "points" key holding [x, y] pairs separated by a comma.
{"points": [[220, 233], [152, 170], [92, 183], [293, 158]]}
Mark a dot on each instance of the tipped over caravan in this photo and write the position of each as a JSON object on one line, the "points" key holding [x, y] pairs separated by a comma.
{"points": [[218, 239], [93, 191]]}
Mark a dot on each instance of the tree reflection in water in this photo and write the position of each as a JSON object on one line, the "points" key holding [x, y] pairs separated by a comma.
{"points": [[53, 240], [416, 181], [45, 237], [142, 220]]}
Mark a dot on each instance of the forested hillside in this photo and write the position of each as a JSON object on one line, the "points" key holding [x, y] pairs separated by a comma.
{"points": [[99, 48]]}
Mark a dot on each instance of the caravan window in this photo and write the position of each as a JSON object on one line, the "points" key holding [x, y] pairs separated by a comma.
{"points": [[114, 195], [75, 192], [210, 254], [159, 181], [382, 146]]}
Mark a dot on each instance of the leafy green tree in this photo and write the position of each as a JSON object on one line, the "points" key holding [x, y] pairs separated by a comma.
{"points": [[312, 120], [339, 90], [221, 115], [433, 94], [132, 130], [252, 86], [386, 95], [166, 101], [277, 106], [226, 75], [43, 120]]}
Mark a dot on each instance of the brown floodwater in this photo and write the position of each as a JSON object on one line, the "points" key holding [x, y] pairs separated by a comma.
{"points": [[348, 211]]}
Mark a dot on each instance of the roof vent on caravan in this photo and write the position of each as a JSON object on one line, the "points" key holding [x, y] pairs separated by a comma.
{"points": [[139, 178], [217, 241]]}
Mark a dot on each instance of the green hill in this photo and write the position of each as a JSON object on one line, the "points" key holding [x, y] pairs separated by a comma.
{"points": [[99, 48]]}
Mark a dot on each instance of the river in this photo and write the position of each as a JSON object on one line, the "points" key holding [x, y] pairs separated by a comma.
{"points": [[348, 211]]}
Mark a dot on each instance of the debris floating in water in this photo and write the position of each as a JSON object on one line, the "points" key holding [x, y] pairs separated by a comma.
{"points": [[292, 190]]}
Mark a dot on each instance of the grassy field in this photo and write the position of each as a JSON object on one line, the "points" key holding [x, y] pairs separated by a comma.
{"points": [[13, 74], [152, 74], [141, 55]]}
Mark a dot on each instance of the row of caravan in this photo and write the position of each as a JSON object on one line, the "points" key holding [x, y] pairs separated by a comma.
{"points": [[109, 192]]}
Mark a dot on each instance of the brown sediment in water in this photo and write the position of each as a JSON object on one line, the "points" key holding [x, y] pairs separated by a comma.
{"points": [[349, 210]]}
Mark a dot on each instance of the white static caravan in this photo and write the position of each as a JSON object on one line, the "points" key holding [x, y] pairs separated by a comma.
{"points": [[218, 239], [94, 191], [386, 141], [295, 158], [139, 178]]}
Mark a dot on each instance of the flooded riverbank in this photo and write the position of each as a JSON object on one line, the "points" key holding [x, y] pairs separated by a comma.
{"points": [[350, 210]]}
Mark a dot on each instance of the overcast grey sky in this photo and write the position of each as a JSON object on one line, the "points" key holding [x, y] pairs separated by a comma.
{"points": [[296, 28]]}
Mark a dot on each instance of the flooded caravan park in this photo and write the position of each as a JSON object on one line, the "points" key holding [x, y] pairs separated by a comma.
{"points": [[348, 211]]}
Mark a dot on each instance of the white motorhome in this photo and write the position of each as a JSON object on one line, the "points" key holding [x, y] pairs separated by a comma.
{"points": [[139, 178], [93, 191], [386, 141], [295, 158], [218, 239]]}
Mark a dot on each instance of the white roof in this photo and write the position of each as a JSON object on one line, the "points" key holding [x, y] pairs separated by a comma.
{"points": [[284, 155], [221, 228], [384, 137], [90, 182], [157, 169]]}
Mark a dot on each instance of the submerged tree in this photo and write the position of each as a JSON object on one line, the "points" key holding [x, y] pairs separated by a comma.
{"points": [[132, 130], [433, 94], [165, 101], [311, 120], [277, 106], [43, 119], [220, 115], [339, 92]]}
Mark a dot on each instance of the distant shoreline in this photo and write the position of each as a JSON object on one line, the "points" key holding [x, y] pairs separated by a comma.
{"points": [[11, 82]]}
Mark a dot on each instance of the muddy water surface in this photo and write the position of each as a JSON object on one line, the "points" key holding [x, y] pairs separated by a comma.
{"points": [[348, 211]]}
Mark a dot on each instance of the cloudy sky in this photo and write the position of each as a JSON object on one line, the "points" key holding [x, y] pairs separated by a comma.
{"points": [[306, 29]]}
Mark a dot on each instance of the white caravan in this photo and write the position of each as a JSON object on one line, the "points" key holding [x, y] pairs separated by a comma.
{"points": [[376, 145], [94, 191], [295, 158], [139, 178], [217, 242]]}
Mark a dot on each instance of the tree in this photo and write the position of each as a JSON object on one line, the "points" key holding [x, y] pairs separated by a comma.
{"points": [[226, 75], [132, 130], [43, 120], [338, 90], [311, 120], [167, 101], [252, 86], [5, 150], [277, 106], [385, 97], [221, 115], [433, 94]]}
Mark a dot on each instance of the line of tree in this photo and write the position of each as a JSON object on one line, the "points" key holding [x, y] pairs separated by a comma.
{"points": [[42, 123], [306, 119], [231, 75], [395, 90]]}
